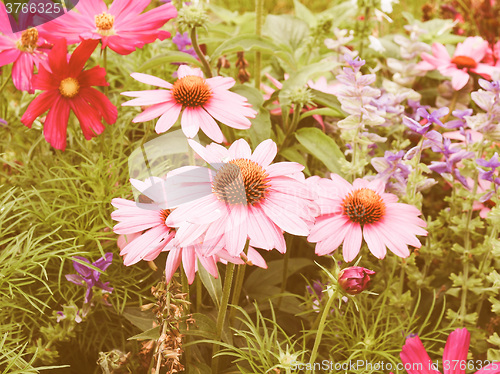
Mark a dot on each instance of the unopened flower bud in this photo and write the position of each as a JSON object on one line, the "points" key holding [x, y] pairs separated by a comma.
{"points": [[354, 279], [191, 16], [300, 96]]}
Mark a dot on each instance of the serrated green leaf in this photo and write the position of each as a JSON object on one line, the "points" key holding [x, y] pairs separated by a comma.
{"points": [[151, 334], [321, 146], [167, 58]]}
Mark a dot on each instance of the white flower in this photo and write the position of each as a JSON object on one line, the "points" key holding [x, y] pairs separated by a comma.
{"points": [[375, 44]]}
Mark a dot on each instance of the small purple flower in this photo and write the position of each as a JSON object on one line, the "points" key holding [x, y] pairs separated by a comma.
{"points": [[493, 163], [434, 116], [490, 86], [355, 63], [90, 277], [415, 126], [316, 289], [3, 123], [460, 122], [182, 41]]}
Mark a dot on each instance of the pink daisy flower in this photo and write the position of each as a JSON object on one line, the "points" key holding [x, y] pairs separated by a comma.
{"points": [[350, 213], [68, 87], [416, 360], [201, 101], [25, 49], [245, 197], [466, 59], [122, 27]]}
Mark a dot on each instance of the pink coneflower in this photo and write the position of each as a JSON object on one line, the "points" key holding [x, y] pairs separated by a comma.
{"points": [[202, 101], [68, 87], [145, 234], [143, 223], [122, 27], [350, 213], [25, 49], [244, 198], [416, 360], [466, 59]]}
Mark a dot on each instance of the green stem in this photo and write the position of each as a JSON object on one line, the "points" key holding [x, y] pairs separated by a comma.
{"points": [[201, 56], [467, 246], [365, 23], [452, 106], [105, 65], [259, 11], [198, 293], [319, 333], [221, 316], [286, 260], [240, 276], [297, 108]]}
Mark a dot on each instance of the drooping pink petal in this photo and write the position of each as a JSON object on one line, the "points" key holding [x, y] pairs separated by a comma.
{"points": [[168, 118], [456, 349], [352, 242], [189, 124], [415, 357], [56, 123]]}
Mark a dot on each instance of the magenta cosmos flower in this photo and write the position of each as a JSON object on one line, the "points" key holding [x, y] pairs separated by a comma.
{"points": [[466, 59], [350, 213], [122, 27], [25, 49], [145, 234], [245, 197], [201, 101], [417, 361], [67, 87]]}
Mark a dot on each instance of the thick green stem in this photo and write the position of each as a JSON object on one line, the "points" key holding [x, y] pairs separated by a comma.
{"points": [[198, 293], [201, 56], [221, 316], [238, 285], [297, 108], [259, 11], [319, 333]]}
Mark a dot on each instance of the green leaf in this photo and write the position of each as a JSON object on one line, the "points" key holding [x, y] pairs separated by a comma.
{"points": [[261, 124], [328, 100], [151, 334], [167, 58], [322, 112], [293, 154], [248, 42], [300, 78], [321, 146], [302, 12], [213, 285], [340, 13], [203, 326], [143, 320], [287, 30]]}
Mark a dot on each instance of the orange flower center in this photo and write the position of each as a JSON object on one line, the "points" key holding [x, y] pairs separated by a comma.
{"points": [[104, 23], [240, 182], [28, 41], [164, 213], [363, 206], [69, 87], [464, 62], [191, 91]]}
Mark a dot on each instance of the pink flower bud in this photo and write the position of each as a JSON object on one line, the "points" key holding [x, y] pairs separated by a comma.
{"points": [[354, 279]]}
